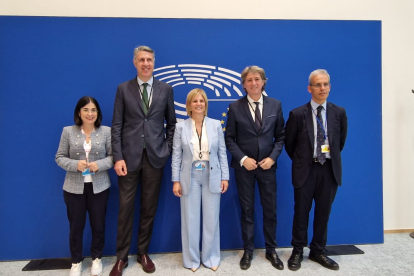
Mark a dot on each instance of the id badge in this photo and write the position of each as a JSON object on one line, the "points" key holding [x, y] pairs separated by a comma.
{"points": [[200, 167], [325, 149], [87, 172]]}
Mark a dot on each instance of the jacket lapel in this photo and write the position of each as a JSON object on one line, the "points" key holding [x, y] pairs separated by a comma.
{"points": [[265, 112], [246, 107], [188, 129], [134, 89], [155, 94], [309, 124], [210, 129], [330, 116]]}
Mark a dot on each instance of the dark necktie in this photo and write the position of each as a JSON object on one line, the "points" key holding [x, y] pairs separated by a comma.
{"points": [[258, 117], [145, 104], [320, 138]]}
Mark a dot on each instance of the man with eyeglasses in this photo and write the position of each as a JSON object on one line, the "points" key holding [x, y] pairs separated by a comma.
{"points": [[315, 136], [141, 146]]}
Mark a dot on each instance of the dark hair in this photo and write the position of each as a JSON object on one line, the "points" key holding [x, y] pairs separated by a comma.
{"points": [[81, 103]]}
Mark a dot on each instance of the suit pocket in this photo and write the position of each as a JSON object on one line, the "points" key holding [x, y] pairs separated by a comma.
{"points": [[270, 120]]}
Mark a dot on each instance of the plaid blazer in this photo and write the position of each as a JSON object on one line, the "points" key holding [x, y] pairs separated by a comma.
{"points": [[71, 150]]}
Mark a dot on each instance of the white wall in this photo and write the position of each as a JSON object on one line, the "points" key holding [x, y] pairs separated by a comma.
{"points": [[397, 18]]}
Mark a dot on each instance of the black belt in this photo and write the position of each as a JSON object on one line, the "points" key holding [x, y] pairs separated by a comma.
{"points": [[317, 161]]}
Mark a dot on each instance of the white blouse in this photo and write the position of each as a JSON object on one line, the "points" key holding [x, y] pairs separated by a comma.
{"points": [[87, 147], [196, 143]]}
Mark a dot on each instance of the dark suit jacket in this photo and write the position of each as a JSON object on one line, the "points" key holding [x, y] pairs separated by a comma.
{"points": [[242, 138], [131, 128], [299, 143]]}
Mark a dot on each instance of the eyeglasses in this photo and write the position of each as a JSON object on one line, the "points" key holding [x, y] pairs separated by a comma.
{"points": [[86, 110], [320, 85]]}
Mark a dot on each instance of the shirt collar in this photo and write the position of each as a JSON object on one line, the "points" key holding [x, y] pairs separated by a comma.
{"points": [[315, 105], [251, 101], [150, 81]]}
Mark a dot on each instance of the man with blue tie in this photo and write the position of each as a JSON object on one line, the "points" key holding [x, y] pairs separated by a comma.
{"points": [[255, 136], [141, 146], [315, 136]]}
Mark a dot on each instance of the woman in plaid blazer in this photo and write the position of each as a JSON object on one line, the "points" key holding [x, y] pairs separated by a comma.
{"points": [[85, 154]]}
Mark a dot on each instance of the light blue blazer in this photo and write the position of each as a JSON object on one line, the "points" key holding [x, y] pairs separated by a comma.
{"points": [[182, 155]]}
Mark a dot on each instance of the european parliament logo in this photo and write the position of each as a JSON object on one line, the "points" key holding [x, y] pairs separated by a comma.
{"points": [[221, 85]]}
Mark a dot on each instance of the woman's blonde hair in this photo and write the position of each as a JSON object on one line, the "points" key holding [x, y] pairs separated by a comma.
{"points": [[190, 97]]}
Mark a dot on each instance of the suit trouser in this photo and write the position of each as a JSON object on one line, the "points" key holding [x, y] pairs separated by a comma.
{"points": [[77, 205], [321, 187], [150, 179], [266, 181], [199, 197]]}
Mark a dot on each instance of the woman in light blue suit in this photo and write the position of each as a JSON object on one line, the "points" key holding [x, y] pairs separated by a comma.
{"points": [[200, 174]]}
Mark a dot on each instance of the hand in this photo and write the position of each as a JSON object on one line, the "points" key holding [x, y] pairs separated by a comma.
{"points": [[82, 165], [250, 164], [177, 189], [224, 186], [93, 167], [120, 168], [266, 163]]}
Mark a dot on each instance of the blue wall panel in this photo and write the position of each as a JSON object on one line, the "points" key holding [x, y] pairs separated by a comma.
{"points": [[48, 63]]}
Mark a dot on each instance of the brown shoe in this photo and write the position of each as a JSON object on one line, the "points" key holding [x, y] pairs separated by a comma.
{"points": [[118, 268], [147, 265]]}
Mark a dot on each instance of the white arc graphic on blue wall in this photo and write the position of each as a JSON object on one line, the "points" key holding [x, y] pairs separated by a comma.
{"points": [[223, 84]]}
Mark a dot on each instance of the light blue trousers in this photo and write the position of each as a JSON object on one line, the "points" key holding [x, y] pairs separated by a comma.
{"points": [[191, 204]]}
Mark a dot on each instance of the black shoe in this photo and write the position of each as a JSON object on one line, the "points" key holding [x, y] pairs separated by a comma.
{"points": [[323, 260], [294, 261], [245, 260], [274, 259]]}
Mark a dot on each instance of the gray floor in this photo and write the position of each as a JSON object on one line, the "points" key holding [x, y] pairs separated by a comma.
{"points": [[394, 257]]}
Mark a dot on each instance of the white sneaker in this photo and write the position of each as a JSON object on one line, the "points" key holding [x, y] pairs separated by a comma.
{"points": [[76, 269], [96, 268]]}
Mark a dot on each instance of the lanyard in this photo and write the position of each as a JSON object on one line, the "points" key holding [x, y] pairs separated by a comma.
{"points": [[199, 138], [325, 134]]}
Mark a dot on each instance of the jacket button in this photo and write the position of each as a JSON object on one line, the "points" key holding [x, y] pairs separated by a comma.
{"points": [[77, 136], [77, 153], [97, 135], [97, 152], [142, 136], [97, 143], [211, 167]]}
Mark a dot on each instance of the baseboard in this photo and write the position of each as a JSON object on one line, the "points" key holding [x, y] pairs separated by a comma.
{"points": [[398, 231]]}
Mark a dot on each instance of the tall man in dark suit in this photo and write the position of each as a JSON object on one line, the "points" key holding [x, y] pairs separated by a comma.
{"points": [[315, 137], [255, 137], [141, 146]]}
